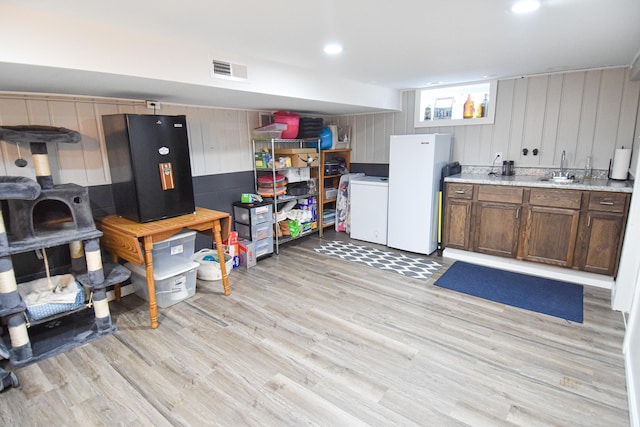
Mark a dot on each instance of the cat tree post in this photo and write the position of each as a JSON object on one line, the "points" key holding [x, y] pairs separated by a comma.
{"points": [[11, 303]]}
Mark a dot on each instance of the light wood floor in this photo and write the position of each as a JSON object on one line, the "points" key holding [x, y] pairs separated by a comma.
{"points": [[305, 339]]}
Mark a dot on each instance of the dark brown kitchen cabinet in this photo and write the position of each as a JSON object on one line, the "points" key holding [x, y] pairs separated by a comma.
{"points": [[601, 233], [458, 216], [551, 226], [496, 223], [550, 235], [568, 228], [496, 227]]}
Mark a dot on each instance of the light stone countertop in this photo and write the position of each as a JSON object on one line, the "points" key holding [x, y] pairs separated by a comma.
{"points": [[600, 184]]}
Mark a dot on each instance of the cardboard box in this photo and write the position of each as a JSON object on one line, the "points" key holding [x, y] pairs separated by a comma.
{"points": [[247, 252], [299, 156]]}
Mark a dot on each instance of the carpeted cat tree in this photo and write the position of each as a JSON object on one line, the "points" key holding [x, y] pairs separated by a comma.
{"points": [[42, 215]]}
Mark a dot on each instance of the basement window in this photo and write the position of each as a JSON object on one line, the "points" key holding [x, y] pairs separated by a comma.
{"points": [[445, 105]]}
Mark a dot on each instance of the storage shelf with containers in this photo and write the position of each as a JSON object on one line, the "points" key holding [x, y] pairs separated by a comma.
{"points": [[284, 178], [333, 164], [254, 222]]}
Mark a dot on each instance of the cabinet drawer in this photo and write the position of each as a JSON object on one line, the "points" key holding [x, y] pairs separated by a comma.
{"points": [[607, 202], [460, 191], [252, 213], [569, 199], [264, 247], [254, 232], [500, 193]]}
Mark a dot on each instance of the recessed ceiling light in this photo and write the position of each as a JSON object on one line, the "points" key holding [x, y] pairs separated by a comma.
{"points": [[525, 6], [332, 49]]}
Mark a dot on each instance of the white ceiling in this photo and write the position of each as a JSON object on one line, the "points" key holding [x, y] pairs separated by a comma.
{"points": [[397, 44]]}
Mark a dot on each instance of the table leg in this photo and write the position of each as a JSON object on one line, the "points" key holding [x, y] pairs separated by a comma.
{"points": [[151, 285], [116, 287], [223, 268]]}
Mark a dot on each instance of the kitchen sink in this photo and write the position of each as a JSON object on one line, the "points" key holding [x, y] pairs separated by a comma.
{"points": [[557, 179], [561, 176]]}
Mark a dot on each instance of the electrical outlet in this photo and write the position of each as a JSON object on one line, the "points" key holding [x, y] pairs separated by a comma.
{"points": [[497, 157], [153, 105]]}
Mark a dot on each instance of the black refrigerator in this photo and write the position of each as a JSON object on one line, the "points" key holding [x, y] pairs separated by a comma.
{"points": [[150, 165]]}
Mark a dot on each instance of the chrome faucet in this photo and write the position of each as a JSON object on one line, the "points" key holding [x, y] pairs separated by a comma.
{"points": [[562, 159]]}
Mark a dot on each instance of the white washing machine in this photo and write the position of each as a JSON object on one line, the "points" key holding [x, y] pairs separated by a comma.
{"points": [[368, 197]]}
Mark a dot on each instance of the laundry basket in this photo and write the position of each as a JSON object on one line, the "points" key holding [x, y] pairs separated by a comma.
{"points": [[209, 261]]}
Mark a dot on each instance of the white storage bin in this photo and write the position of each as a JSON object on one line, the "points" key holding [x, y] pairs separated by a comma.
{"points": [[330, 193], [173, 253], [171, 287]]}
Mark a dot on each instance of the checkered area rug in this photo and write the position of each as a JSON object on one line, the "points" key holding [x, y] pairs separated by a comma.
{"points": [[398, 263]]}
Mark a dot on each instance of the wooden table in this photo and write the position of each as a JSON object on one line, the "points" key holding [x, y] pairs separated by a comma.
{"points": [[122, 237]]}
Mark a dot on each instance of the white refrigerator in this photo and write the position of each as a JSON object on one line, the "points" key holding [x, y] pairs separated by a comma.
{"points": [[415, 167]]}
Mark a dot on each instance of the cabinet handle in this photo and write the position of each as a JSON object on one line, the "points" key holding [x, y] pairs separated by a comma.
{"points": [[588, 221], [606, 202], [468, 207], [517, 213], [460, 191]]}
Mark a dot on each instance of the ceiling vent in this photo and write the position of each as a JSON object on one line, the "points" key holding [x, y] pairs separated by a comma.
{"points": [[227, 70]]}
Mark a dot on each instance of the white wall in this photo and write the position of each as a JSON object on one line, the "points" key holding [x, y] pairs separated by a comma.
{"points": [[219, 139], [626, 295], [584, 113]]}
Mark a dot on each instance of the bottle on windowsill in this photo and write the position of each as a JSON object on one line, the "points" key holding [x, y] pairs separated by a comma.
{"points": [[467, 113], [479, 111], [587, 168], [427, 113]]}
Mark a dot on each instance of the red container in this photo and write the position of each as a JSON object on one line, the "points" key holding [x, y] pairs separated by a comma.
{"points": [[292, 121]]}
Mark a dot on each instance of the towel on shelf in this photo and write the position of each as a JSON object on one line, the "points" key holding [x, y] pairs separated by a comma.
{"points": [[45, 299], [62, 289]]}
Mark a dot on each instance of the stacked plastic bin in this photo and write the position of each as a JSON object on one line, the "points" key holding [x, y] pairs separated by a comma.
{"points": [[254, 222], [174, 270]]}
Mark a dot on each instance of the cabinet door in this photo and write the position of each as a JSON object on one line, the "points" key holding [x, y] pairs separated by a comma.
{"points": [[496, 227], [603, 236], [457, 223], [550, 235]]}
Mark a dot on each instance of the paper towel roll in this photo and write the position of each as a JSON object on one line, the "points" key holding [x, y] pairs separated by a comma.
{"points": [[621, 162]]}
